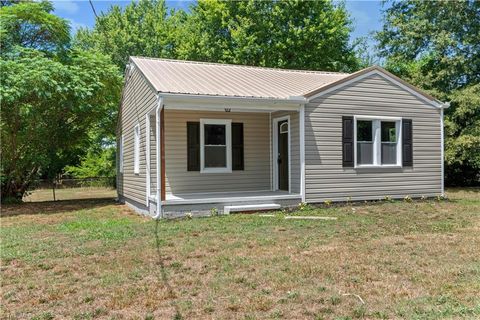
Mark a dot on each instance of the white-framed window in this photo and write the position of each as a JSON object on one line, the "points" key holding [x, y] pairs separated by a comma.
{"points": [[136, 149], [120, 154], [215, 145], [377, 141]]}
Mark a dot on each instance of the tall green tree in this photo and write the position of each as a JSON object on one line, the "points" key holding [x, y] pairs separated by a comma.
{"points": [[48, 110], [32, 25], [436, 46], [52, 99], [141, 28], [287, 34]]}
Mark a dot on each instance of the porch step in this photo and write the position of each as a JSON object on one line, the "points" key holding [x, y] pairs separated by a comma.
{"points": [[251, 207]]}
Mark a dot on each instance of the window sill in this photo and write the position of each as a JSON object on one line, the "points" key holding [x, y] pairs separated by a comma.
{"points": [[385, 166], [216, 170]]}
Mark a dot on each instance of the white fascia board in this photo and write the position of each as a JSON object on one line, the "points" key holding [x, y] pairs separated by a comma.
{"points": [[220, 103], [434, 103]]}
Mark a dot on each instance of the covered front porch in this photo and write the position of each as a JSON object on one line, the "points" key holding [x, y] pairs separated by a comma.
{"points": [[224, 197], [214, 154]]}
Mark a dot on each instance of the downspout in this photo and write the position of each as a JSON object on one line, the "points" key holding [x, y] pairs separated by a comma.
{"points": [[302, 152], [442, 137], [158, 213], [148, 162]]}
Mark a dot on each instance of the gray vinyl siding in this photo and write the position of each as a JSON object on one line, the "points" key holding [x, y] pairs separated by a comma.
{"points": [[374, 96], [256, 175], [138, 99], [294, 147]]}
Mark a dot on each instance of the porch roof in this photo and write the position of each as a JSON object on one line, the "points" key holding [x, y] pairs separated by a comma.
{"points": [[224, 80]]}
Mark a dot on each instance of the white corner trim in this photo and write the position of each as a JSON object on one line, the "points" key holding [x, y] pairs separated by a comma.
{"points": [[275, 152], [302, 152], [228, 145], [383, 75], [442, 143], [120, 153]]}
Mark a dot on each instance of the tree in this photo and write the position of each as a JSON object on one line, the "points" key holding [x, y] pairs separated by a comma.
{"points": [[287, 34], [48, 110], [31, 25], [96, 163], [141, 28], [436, 46], [53, 99]]}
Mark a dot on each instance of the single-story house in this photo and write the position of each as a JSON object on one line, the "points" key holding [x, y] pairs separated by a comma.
{"points": [[195, 136]]}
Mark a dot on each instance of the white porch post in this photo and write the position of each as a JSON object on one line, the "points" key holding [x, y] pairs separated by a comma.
{"points": [[159, 158], [271, 149], [302, 152]]}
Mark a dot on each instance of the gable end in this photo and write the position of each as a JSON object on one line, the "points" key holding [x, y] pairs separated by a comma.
{"points": [[355, 77]]}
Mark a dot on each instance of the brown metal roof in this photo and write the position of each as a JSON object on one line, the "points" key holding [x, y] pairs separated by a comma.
{"points": [[228, 80], [201, 78]]}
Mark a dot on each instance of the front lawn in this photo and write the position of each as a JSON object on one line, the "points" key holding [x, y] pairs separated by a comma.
{"points": [[95, 259]]}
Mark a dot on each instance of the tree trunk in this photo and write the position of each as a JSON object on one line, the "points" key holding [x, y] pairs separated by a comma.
{"points": [[14, 189]]}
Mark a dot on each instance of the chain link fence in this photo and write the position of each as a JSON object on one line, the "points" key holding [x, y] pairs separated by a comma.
{"points": [[71, 189]]}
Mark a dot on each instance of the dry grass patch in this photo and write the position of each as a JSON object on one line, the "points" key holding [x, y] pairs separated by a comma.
{"points": [[39, 195], [99, 260]]}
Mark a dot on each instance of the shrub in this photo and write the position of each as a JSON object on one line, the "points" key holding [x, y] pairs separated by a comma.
{"points": [[303, 206], [213, 212]]}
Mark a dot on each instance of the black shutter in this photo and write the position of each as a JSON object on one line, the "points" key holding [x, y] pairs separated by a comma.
{"points": [[407, 143], [193, 146], [347, 141], [237, 146]]}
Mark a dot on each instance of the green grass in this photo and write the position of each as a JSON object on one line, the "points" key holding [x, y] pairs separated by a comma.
{"points": [[95, 259]]}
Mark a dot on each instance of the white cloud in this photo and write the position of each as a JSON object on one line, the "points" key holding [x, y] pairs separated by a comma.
{"points": [[67, 6]]}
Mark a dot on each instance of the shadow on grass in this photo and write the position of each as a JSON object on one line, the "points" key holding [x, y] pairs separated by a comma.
{"points": [[52, 207], [163, 273]]}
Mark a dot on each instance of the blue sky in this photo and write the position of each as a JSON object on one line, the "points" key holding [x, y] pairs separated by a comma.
{"points": [[366, 14]]}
